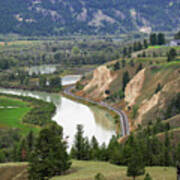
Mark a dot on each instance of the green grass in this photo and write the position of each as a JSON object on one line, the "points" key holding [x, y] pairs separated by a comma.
{"points": [[86, 170], [156, 47], [12, 117]]}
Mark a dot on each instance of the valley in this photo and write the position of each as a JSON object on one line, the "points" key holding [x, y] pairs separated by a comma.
{"points": [[89, 109]]}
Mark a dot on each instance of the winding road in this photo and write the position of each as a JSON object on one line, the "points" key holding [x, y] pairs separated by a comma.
{"points": [[122, 115]]}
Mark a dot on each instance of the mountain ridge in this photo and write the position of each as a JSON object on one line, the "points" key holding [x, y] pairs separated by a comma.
{"points": [[58, 17]]}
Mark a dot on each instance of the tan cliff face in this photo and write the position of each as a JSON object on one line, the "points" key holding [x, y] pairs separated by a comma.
{"points": [[153, 106], [159, 100], [134, 87], [100, 82]]}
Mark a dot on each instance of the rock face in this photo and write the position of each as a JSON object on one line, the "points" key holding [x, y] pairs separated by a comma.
{"points": [[154, 105], [159, 100], [134, 87], [100, 82]]}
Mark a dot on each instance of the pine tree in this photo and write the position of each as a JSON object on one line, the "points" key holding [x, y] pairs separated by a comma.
{"points": [[178, 153], [2, 157], [94, 148], [161, 39], [167, 148], [135, 163], [153, 39], [145, 44], [139, 68], [171, 55], [139, 46], [116, 66], [132, 63], [147, 177], [123, 63], [125, 80], [42, 81], [79, 144], [49, 157], [158, 88], [30, 141]]}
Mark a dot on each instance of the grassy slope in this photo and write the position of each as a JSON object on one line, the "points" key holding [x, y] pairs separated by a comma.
{"points": [[16, 171], [83, 170], [13, 117], [86, 170]]}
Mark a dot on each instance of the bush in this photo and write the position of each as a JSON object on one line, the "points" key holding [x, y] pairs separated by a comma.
{"points": [[147, 177], [99, 176]]}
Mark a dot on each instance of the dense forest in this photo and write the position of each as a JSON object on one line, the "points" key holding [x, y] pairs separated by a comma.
{"points": [[87, 17]]}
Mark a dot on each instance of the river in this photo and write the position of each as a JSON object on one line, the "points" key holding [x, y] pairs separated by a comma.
{"points": [[70, 113]]}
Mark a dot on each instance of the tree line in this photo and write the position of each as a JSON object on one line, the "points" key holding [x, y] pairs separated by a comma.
{"points": [[47, 153]]}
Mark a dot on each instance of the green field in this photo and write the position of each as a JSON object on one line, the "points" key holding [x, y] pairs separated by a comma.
{"points": [[11, 113], [86, 170]]}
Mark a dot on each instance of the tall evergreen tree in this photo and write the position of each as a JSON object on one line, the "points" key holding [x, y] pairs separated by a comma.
{"points": [[167, 149], [49, 157], [171, 55], [94, 148], [79, 144], [140, 66], [30, 140], [145, 43], [161, 39], [125, 80], [136, 165], [42, 81], [153, 39]]}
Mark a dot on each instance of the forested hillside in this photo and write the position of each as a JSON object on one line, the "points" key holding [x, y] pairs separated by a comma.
{"points": [[59, 17]]}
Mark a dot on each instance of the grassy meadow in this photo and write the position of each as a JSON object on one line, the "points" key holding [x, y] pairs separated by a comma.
{"points": [[86, 170], [12, 112]]}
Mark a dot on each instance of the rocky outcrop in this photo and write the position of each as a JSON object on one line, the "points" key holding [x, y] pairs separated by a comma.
{"points": [[159, 100], [134, 87], [100, 82]]}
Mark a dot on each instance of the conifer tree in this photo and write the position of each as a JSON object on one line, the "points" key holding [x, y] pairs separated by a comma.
{"points": [[125, 80], [161, 39], [79, 144], [136, 165], [167, 156], [139, 67], [153, 39], [49, 157], [145, 44], [147, 177], [30, 141], [94, 148]]}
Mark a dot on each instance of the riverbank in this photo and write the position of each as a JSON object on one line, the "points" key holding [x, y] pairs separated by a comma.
{"points": [[69, 114], [26, 113], [118, 116]]}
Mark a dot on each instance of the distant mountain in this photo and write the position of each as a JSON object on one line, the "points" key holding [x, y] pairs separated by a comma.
{"points": [[57, 17]]}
